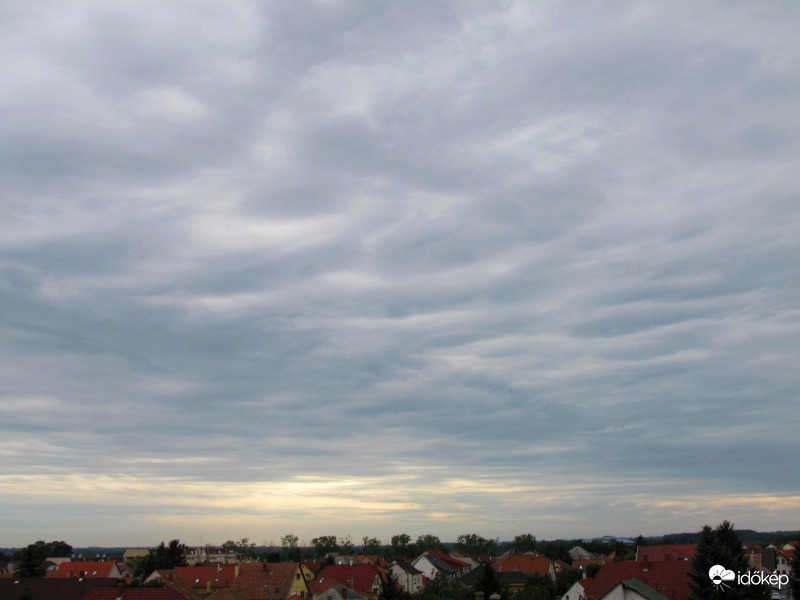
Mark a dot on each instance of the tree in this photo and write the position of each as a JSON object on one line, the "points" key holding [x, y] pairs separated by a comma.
{"points": [[538, 587], [428, 541], [400, 545], [472, 543], [325, 544], [246, 547], [489, 583], [370, 545], [443, 587], [390, 588], [565, 578], [525, 542], [165, 556], [721, 546], [291, 551], [591, 570], [31, 565], [346, 546]]}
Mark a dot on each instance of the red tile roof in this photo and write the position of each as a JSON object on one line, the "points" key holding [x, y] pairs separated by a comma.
{"points": [[670, 578], [361, 577], [666, 552], [265, 581], [321, 584], [221, 576], [86, 569], [459, 565]]}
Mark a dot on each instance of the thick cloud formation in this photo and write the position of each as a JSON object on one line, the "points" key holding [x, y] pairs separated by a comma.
{"points": [[363, 268]]}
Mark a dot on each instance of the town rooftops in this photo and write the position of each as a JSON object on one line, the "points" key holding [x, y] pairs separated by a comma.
{"points": [[666, 552], [670, 578]]}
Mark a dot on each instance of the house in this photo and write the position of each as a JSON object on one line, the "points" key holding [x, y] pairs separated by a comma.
{"points": [[783, 560], [761, 559], [668, 577], [203, 579], [633, 589], [528, 563], [513, 580], [135, 554], [661, 552], [327, 588], [270, 581], [318, 586], [364, 579], [579, 553], [407, 576], [87, 570], [213, 554], [432, 562], [577, 591]]}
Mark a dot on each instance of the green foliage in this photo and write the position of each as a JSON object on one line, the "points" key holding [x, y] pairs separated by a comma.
{"points": [[591, 570], [443, 587], [370, 545], [556, 550], [346, 546], [721, 546], [244, 546], [538, 587], [391, 589], [165, 556], [324, 545], [31, 564], [429, 541], [472, 543], [32, 557], [525, 542], [400, 546], [489, 583], [291, 551], [566, 578]]}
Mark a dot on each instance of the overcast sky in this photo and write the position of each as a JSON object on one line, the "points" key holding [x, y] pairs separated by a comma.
{"points": [[358, 267]]}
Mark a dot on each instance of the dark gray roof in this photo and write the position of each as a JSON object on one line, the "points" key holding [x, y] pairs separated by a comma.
{"points": [[642, 589]]}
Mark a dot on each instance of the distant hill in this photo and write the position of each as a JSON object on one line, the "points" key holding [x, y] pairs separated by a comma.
{"points": [[747, 536]]}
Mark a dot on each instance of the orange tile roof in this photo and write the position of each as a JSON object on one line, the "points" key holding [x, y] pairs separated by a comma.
{"points": [[85, 569], [524, 563]]}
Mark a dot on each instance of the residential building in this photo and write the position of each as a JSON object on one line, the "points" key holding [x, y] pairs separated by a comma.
{"points": [[670, 578], [407, 576], [633, 589]]}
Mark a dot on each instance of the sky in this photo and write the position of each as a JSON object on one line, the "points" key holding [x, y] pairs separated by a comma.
{"points": [[417, 266]]}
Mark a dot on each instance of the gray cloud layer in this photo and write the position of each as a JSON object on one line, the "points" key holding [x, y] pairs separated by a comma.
{"points": [[455, 266]]}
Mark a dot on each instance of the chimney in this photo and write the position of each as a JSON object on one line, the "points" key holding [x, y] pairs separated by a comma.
{"points": [[208, 585], [344, 593]]}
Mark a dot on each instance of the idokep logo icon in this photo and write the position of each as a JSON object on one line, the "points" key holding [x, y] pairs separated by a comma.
{"points": [[719, 575]]}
